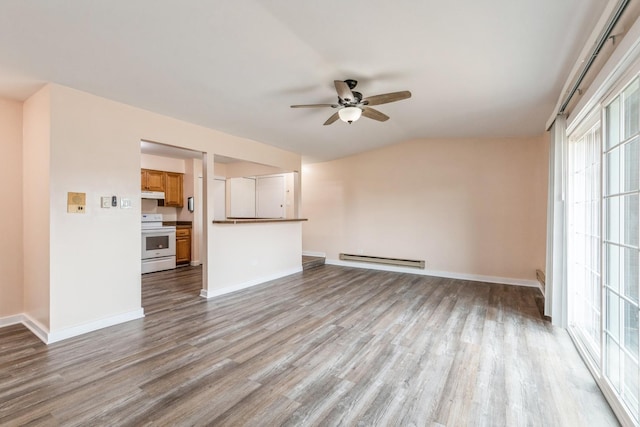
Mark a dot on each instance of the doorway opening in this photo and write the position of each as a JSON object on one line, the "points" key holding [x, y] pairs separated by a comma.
{"points": [[238, 189], [172, 204]]}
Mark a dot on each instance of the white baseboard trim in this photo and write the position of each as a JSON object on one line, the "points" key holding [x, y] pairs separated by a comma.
{"points": [[204, 293], [11, 320], [445, 274], [36, 328], [195, 263], [47, 337], [74, 331], [312, 253]]}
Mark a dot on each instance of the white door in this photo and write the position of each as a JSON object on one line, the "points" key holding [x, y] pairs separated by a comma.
{"points": [[270, 197], [242, 197], [219, 200]]}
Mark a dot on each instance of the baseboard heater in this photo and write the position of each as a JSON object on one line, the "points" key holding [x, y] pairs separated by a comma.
{"points": [[383, 260]]}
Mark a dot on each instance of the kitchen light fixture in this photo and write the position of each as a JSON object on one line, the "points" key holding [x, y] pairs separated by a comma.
{"points": [[350, 114]]}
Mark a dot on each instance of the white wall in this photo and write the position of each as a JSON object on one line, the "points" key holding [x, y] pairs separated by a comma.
{"points": [[11, 275], [474, 207], [248, 254], [95, 256]]}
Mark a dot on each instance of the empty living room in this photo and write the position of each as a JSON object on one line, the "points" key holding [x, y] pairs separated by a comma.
{"points": [[410, 213]]}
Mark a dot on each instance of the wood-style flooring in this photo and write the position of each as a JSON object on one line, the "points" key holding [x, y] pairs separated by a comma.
{"points": [[328, 346]]}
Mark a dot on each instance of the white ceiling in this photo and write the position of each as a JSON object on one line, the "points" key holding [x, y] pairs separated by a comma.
{"points": [[491, 68]]}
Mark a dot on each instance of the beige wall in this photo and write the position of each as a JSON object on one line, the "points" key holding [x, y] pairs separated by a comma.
{"points": [[220, 170], [161, 163], [36, 206], [474, 207], [245, 169], [197, 225], [11, 291], [188, 189]]}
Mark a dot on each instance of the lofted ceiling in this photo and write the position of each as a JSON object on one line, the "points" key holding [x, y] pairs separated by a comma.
{"points": [[491, 68]]}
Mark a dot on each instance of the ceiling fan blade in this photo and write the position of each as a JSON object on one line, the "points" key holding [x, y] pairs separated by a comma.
{"points": [[332, 119], [374, 114], [386, 98], [343, 90], [315, 106]]}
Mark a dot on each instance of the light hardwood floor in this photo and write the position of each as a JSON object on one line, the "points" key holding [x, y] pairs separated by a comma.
{"points": [[328, 346]]}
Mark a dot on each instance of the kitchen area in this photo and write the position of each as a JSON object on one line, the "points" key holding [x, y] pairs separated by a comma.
{"points": [[172, 201], [169, 179]]}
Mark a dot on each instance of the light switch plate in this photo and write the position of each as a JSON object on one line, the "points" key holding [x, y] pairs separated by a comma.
{"points": [[105, 202], [125, 203]]}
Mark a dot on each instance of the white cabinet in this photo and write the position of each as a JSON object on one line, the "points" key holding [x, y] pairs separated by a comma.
{"points": [[259, 197], [242, 197], [270, 196]]}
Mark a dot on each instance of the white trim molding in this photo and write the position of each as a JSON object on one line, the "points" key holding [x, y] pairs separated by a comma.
{"points": [[436, 273], [555, 268], [48, 337], [37, 328], [208, 294], [11, 320], [313, 253], [73, 331]]}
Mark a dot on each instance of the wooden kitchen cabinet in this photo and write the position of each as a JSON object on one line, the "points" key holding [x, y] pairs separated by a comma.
{"points": [[173, 185], [152, 180], [183, 245]]}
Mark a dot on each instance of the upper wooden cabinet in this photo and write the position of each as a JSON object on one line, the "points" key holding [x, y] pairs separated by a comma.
{"points": [[152, 180], [173, 183]]}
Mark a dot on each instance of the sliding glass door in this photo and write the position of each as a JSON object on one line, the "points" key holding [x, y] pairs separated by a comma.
{"points": [[603, 244], [621, 184], [583, 236]]}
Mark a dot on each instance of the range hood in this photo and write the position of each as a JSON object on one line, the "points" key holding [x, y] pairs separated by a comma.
{"points": [[155, 195]]}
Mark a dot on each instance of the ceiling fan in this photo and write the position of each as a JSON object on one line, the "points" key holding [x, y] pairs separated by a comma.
{"points": [[351, 105]]}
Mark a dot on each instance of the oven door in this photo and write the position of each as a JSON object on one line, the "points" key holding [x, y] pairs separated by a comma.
{"points": [[157, 243]]}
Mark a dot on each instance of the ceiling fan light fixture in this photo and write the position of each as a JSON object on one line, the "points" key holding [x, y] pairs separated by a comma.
{"points": [[350, 114]]}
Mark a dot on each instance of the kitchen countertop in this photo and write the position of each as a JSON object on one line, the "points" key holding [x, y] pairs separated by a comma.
{"points": [[177, 223], [257, 220]]}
